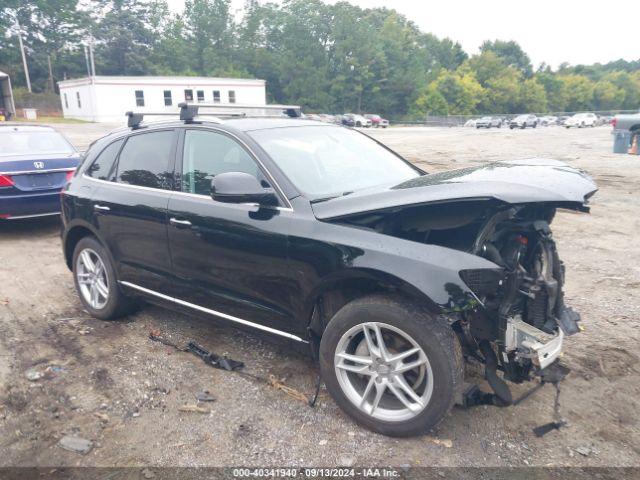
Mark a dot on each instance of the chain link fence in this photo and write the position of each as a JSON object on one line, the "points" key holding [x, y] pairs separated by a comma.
{"points": [[461, 120]]}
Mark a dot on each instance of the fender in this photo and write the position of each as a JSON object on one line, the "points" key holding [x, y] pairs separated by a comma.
{"points": [[67, 234]]}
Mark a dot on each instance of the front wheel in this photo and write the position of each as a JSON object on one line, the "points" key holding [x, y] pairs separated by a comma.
{"points": [[391, 365], [96, 283]]}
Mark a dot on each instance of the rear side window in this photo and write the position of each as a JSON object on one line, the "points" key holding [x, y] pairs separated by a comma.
{"points": [[144, 160], [103, 165]]}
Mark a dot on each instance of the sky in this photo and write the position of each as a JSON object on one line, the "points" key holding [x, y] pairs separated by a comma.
{"points": [[550, 31]]}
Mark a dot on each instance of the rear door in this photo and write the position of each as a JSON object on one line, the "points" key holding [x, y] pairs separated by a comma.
{"points": [[228, 258], [130, 206]]}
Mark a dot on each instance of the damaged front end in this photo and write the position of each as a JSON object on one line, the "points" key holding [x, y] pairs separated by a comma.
{"points": [[522, 319]]}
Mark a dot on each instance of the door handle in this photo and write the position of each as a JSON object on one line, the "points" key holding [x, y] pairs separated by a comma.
{"points": [[179, 223], [102, 208]]}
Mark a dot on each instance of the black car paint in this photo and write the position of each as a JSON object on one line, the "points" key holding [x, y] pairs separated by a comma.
{"points": [[271, 265]]}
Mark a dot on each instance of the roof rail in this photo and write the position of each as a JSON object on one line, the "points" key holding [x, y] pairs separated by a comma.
{"points": [[189, 111]]}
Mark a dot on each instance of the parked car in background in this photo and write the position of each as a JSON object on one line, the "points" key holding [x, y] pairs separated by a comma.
{"points": [[313, 116], [470, 123], [377, 120], [524, 121], [328, 118], [488, 122], [548, 121], [355, 120], [581, 120], [35, 164]]}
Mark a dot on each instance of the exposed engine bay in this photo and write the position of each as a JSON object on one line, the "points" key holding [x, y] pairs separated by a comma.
{"points": [[517, 318]]}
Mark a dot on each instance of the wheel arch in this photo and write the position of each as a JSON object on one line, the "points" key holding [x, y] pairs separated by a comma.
{"points": [[336, 290], [73, 234]]}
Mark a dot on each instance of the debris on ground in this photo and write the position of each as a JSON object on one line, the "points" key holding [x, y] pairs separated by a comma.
{"points": [[39, 372], [443, 443], [584, 451], [205, 396], [102, 416], [193, 408], [76, 444], [292, 392]]}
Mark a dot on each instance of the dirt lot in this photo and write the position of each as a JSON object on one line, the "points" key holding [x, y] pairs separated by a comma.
{"points": [[109, 383]]}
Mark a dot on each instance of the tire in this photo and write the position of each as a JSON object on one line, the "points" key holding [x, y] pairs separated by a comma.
{"points": [[407, 326], [511, 127], [535, 125], [358, 124], [110, 306]]}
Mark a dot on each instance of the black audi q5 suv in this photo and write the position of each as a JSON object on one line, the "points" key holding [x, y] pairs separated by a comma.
{"points": [[316, 233]]}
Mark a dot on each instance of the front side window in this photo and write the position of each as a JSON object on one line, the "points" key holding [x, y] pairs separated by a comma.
{"points": [[327, 161], [78, 99], [139, 98], [200, 96], [232, 96], [216, 96], [144, 160], [207, 154], [103, 165], [167, 98], [188, 95]]}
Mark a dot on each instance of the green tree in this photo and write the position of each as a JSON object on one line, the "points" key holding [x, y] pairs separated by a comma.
{"points": [[579, 91], [511, 54]]}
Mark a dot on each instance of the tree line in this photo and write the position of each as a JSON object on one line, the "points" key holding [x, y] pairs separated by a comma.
{"points": [[327, 58]]}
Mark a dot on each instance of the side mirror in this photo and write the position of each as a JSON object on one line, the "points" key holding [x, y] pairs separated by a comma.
{"points": [[239, 187]]}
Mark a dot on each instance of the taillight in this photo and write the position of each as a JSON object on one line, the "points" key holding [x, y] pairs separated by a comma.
{"points": [[614, 122], [6, 181], [70, 175]]}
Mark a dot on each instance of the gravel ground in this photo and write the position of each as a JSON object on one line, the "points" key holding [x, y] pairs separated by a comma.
{"points": [[107, 382]]}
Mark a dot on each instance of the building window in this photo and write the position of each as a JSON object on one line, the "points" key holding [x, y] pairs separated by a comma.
{"points": [[66, 102], [200, 95], [167, 98], [139, 98], [78, 98], [232, 96], [188, 95], [216, 96]]}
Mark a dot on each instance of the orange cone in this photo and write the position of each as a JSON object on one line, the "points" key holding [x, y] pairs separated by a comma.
{"points": [[634, 145]]}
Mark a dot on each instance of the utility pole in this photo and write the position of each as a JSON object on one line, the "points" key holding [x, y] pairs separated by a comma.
{"points": [[86, 59], [93, 65], [24, 57]]}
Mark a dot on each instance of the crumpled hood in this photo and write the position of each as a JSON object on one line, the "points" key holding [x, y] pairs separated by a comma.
{"points": [[514, 182]]}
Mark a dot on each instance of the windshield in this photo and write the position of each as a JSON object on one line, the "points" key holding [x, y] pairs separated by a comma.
{"points": [[32, 142], [325, 162], [521, 117]]}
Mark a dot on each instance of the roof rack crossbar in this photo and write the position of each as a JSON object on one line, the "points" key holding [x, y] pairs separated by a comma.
{"points": [[189, 111]]}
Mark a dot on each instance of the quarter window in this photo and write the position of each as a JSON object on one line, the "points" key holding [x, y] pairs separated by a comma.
{"points": [[167, 98], [102, 167], [200, 96], [188, 95], [216, 96], [232, 96], [144, 160], [139, 98], [207, 154]]}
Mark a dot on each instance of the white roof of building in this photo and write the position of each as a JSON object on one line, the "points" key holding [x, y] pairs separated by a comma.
{"points": [[168, 81]]}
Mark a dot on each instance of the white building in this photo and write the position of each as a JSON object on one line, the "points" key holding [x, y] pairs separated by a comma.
{"points": [[107, 99]]}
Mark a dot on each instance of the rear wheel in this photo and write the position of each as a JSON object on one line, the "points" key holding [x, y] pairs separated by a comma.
{"points": [[391, 365], [96, 282]]}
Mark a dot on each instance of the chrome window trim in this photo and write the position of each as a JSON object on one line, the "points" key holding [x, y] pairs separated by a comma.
{"points": [[29, 172], [212, 312], [251, 152], [175, 192]]}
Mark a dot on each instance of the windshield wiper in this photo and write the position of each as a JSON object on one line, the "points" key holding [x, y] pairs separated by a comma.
{"points": [[331, 197]]}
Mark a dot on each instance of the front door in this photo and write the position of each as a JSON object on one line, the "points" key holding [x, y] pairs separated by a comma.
{"points": [[130, 207], [228, 258]]}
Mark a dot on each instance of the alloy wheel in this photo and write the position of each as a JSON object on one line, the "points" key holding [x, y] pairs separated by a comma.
{"points": [[383, 371], [92, 278]]}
